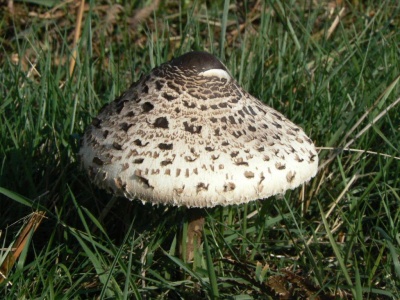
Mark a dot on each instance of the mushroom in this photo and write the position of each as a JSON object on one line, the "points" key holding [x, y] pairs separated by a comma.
{"points": [[188, 135]]}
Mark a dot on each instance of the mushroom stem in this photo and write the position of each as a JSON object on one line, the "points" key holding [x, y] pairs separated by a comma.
{"points": [[194, 232]]}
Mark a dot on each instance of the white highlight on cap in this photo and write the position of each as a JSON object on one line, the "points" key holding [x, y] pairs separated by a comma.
{"points": [[216, 72]]}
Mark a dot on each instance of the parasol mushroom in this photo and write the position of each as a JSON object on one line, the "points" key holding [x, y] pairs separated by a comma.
{"points": [[188, 135]]}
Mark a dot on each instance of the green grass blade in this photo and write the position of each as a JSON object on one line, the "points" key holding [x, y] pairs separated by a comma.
{"points": [[211, 271], [336, 250]]}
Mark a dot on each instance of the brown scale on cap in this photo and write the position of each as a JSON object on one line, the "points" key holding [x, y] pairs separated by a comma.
{"points": [[188, 134]]}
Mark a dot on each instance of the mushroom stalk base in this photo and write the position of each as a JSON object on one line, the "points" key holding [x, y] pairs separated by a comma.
{"points": [[194, 232]]}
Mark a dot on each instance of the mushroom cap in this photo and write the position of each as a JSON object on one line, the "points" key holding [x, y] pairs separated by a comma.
{"points": [[199, 60], [188, 134]]}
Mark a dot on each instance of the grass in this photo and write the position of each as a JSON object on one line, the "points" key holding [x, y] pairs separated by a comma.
{"points": [[337, 237]]}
